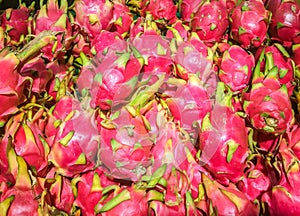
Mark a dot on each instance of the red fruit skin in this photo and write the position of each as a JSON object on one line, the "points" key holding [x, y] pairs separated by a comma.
{"points": [[104, 40], [181, 28], [79, 153], [160, 9], [236, 68], [88, 188], [189, 8], [285, 23], [11, 93], [284, 65], [94, 15], [37, 70], [249, 23], [16, 22], [131, 156], [136, 205], [268, 106], [296, 55], [211, 21], [122, 18], [228, 130]]}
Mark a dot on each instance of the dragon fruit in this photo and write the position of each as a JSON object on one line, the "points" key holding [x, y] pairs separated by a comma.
{"points": [[37, 70], [93, 15], [267, 104], [285, 23], [223, 141], [89, 186], [160, 10], [72, 150], [54, 17], [11, 88], [126, 149], [211, 26], [57, 192], [233, 201], [129, 200], [19, 199], [122, 18], [277, 58], [236, 68], [296, 54], [16, 24], [117, 72], [249, 23], [188, 8]]}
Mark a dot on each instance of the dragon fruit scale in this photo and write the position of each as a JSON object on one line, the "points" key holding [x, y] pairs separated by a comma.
{"points": [[74, 139], [285, 23], [268, 106], [249, 23], [211, 26], [223, 141], [236, 68], [93, 15]]}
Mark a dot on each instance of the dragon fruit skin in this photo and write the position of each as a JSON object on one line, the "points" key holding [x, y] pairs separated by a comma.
{"points": [[19, 198], [16, 23], [279, 59], [256, 180], [296, 54], [122, 18], [12, 87], [89, 186], [234, 202], [224, 145], [75, 142], [93, 15], [160, 10], [249, 23], [125, 150], [236, 68], [37, 70], [211, 26], [54, 17], [188, 9], [285, 23], [268, 106], [129, 200]]}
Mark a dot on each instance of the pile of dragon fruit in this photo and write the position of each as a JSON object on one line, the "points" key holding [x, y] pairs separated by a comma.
{"points": [[150, 107]]}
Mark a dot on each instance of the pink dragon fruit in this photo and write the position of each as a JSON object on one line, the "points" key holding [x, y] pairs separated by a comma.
{"points": [[75, 142], [226, 200], [12, 86], [211, 26], [188, 8], [20, 198], [277, 58], [296, 55], [256, 180], [126, 149], [103, 40], [285, 22], [178, 28], [156, 53], [267, 104], [53, 17], [189, 104], [16, 24], [108, 80], [37, 70], [223, 141], [124, 201], [160, 10], [249, 23], [89, 186], [284, 197], [122, 18], [57, 192], [236, 68], [93, 15], [28, 141]]}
